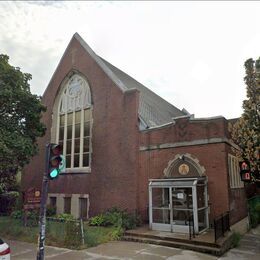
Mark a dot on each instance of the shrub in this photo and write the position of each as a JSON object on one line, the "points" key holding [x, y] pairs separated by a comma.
{"points": [[115, 217], [8, 201], [117, 233], [50, 211], [98, 220], [65, 217], [17, 214], [235, 239]]}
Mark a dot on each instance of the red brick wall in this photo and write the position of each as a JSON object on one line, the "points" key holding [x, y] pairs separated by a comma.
{"points": [[120, 171], [112, 181], [213, 157]]}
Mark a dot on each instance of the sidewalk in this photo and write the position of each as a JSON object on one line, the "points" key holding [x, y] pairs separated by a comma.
{"points": [[249, 247]]}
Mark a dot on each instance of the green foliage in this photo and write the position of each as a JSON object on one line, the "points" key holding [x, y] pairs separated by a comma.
{"points": [[60, 234], [50, 211], [72, 234], [14, 229], [97, 235], [20, 114], [254, 214], [115, 217], [235, 239], [17, 214], [65, 217], [117, 233], [257, 209], [245, 132], [99, 220], [8, 201]]}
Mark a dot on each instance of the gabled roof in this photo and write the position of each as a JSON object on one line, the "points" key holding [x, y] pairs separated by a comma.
{"points": [[153, 110]]}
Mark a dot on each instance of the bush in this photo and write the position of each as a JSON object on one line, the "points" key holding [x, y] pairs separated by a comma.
{"points": [[117, 233], [17, 214], [8, 201], [50, 211], [99, 220], [115, 217], [65, 217]]}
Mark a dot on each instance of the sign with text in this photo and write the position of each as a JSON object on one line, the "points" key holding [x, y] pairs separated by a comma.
{"points": [[32, 196]]}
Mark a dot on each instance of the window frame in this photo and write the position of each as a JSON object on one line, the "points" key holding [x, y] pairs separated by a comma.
{"points": [[56, 127], [234, 173]]}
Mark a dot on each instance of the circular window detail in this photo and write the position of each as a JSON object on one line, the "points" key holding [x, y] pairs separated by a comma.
{"points": [[184, 169]]}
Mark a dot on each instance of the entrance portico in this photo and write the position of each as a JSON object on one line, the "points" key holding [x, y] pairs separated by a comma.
{"points": [[172, 202]]}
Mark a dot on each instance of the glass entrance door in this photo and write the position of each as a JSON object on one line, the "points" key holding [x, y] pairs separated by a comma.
{"points": [[182, 208], [161, 209], [173, 201]]}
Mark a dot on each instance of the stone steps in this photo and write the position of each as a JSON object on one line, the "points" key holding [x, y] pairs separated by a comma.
{"points": [[173, 239], [177, 244]]}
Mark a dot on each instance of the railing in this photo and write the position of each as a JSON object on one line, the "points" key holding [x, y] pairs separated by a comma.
{"points": [[221, 225]]}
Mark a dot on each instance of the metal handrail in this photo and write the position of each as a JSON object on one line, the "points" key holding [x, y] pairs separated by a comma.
{"points": [[221, 225]]}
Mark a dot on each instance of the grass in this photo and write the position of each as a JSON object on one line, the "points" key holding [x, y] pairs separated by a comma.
{"points": [[58, 234]]}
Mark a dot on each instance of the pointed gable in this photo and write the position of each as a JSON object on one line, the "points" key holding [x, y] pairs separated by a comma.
{"points": [[153, 110]]}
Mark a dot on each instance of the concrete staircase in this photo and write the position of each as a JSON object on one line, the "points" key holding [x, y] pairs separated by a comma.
{"points": [[212, 248]]}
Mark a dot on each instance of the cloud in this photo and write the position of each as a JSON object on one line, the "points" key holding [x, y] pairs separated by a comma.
{"points": [[180, 50]]}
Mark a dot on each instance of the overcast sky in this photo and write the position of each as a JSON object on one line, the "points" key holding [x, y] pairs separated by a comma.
{"points": [[190, 53]]}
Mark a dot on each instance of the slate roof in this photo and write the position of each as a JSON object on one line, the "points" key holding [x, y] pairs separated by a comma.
{"points": [[153, 110]]}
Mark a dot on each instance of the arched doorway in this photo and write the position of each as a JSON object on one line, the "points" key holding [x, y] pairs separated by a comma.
{"points": [[179, 197]]}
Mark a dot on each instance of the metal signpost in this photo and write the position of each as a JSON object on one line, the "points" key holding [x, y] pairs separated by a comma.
{"points": [[42, 218], [54, 163]]}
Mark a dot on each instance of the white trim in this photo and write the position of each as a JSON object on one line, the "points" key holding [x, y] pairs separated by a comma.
{"points": [[83, 89]]}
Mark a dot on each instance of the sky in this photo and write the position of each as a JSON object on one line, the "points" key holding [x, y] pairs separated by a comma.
{"points": [[190, 53]]}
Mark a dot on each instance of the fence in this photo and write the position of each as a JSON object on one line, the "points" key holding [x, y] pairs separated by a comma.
{"points": [[221, 225], [67, 232], [72, 230]]}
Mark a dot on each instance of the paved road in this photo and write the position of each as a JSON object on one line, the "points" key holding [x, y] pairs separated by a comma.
{"points": [[249, 249]]}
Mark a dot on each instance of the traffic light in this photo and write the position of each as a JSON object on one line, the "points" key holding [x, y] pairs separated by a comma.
{"points": [[55, 161], [245, 173]]}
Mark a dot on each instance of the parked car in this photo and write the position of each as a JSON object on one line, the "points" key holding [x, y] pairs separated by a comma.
{"points": [[4, 250]]}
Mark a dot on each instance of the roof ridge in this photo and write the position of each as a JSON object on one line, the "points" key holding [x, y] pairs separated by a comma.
{"points": [[99, 61], [143, 86]]}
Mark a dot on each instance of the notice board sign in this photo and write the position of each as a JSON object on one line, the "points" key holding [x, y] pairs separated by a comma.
{"points": [[32, 196]]}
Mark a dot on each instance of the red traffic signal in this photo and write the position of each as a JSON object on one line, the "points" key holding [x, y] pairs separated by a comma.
{"points": [[245, 173]]}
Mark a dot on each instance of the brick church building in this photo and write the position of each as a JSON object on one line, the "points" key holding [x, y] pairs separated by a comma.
{"points": [[127, 147]]}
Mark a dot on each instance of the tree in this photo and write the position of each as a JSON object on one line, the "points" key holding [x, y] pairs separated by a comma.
{"points": [[246, 131], [20, 125]]}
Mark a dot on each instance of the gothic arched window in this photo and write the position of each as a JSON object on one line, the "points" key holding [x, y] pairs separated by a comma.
{"points": [[74, 123]]}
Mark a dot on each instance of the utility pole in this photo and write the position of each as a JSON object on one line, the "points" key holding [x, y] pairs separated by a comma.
{"points": [[42, 218]]}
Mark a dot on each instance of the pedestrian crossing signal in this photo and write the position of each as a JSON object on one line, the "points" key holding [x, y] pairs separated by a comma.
{"points": [[245, 172]]}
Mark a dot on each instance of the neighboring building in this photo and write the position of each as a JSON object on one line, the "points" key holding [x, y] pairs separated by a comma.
{"points": [[127, 147]]}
